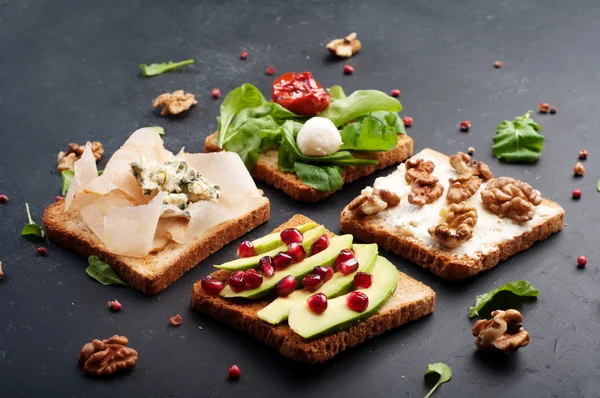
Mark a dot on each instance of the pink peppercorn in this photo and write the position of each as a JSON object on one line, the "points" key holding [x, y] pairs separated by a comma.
{"points": [[270, 70], [348, 70], [581, 261], [395, 93]]}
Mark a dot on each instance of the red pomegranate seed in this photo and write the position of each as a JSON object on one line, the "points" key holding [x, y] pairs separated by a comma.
{"points": [[282, 260], [581, 261], [408, 121], [286, 286], [362, 279], [3, 198], [245, 249], [176, 320], [326, 273], [297, 252], [216, 93], [234, 372], [253, 279], [344, 255], [348, 70], [115, 306], [395, 93], [320, 244], [465, 125], [576, 194], [317, 303], [312, 282], [583, 154], [236, 281], [211, 285], [270, 70], [291, 235], [58, 198], [498, 64], [244, 55], [357, 301], [41, 251], [267, 266], [348, 266], [544, 107]]}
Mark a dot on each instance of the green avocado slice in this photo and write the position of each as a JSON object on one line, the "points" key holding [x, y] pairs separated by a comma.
{"points": [[273, 241], [338, 316], [298, 270], [279, 309], [244, 263]]}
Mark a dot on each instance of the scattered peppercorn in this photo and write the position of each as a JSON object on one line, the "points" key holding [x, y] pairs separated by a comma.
{"points": [[581, 261], [3, 198], [58, 198], [578, 169], [395, 93], [465, 125], [544, 107], [583, 154], [348, 70], [553, 111], [408, 121], [498, 64], [176, 320], [270, 70], [216, 93], [244, 55], [234, 372], [576, 194], [115, 306], [471, 150], [41, 251]]}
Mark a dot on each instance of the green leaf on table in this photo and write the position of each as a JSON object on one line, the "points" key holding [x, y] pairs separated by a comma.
{"points": [[360, 102], [157, 69], [520, 288], [67, 177], [102, 272], [322, 178], [518, 140], [243, 97], [441, 369], [158, 129], [336, 92], [368, 135], [31, 229]]}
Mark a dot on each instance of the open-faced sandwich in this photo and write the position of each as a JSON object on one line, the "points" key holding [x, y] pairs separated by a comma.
{"points": [[309, 141], [311, 294], [450, 215], [153, 215]]}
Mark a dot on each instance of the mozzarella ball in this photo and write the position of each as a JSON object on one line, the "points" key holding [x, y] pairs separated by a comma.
{"points": [[319, 137]]}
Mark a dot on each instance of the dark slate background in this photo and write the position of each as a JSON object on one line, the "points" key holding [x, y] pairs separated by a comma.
{"points": [[69, 72]]}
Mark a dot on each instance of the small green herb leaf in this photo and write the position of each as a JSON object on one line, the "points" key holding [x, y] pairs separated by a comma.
{"points": [[368, 135], [443, 370], [359, 103], [158, 129], [67, 177], [321, 178], [245, 96], [520, 288], [31, 229], [336, 92], [100, 172], [518, 140], [157, 69], [102, 272]]}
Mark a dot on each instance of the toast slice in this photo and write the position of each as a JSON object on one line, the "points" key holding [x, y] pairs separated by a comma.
{"points": [[266, 168], [160, 268], [411, 300], [494, 238]]}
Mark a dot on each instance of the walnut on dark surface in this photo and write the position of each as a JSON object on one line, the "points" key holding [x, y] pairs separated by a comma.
{"points": [[511, 198], [174, 103], [425, 190], [66, 160], [105, 357], [461, 217], [346, 47], [503, 332]]}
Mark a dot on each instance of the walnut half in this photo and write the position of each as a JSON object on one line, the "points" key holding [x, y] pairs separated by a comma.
{"points": [[346, 47], [174, 103], [105, 357], [378, 200], [425, 190], [511, 198], [66, 160], [463, 164], [503, 332], [462, 217], [462, 188], [417, 168]]}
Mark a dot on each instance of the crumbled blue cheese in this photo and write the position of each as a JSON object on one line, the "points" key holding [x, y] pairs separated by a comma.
{"points": [[180, 181]]}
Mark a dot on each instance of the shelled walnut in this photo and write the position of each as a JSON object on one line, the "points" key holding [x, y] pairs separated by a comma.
{"points": [[461, 217], [105, 357], [373, 203], [463, 164], [462, 188], [503, 332], [66, 160], [1, 273], [175, 103], [346, 47], [511, 198], [417, 168], [425, 190]]}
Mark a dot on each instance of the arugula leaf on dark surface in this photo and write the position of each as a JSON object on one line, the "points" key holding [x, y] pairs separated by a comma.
{"points": [[245, 96], [158, 129], [336, 92], [321, 178], [31, 229], [520, 288], [67, 177], [368, 135], [157, 69], [518, 140], [360, 102], [102, 272], [444, 372]]}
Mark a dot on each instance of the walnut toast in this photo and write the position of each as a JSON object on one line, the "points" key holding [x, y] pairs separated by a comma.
{"points": [[266, 168], [453, 217], [410, 301]]}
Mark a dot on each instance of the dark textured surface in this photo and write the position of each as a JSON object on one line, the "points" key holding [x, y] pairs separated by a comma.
{"points": [[69, 73]]}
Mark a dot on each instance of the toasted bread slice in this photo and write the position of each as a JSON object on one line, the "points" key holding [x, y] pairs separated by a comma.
{"points": [[411, 300], [160, 268], [494, 238], [266, 168]]}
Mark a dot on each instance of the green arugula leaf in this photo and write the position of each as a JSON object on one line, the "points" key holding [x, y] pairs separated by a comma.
{"points": [[368, 135], [360, 102], [269, 139], [158, 129], [67, 177], [247, 140], [336, 92], [102, 272], [520, 288], [100, 172], [245, 96], [157, 69], [31, 229], [438, 368], [518, 140], [321, 178], [390, 120], [598, 186]]}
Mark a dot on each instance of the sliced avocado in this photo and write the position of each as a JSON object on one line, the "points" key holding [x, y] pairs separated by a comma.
{"points": [[244, 263], [338, 316], [298, 270], [273, 241], [279, 309]]}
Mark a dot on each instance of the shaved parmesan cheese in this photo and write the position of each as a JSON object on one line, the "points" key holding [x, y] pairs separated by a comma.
{"points": [[85, 171]]}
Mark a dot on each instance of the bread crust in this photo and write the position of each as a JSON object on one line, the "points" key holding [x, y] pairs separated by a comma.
{"points": [[266, 168]]}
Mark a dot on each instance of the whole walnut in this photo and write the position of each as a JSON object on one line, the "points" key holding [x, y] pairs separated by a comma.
{"points": [[503, 332], [511, 198], [461, 217], [378, 200], [462, 188], [105, 357], [416, 168], [463, 164], [425, 190]]}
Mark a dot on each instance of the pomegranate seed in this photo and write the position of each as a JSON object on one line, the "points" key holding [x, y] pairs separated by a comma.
{"points": [[576, 194], [176, 320], [245, 249], [408, 121], [344, 255], [3, 198], [326, 273], [211, 285], [115, 305], [216, 93], [234, 372], [357, 301], [498, 64], [236, 281], [297, 252], [282, 260], [58, 198], [312, 282], [465, 125], [317, 303], [348, 266], [583, 154], [581, 261], [41, 251], [320, 244], [270, 70], [286, 286], [362, 279], [348, 70], [253, 279], [291, 235], [244, 55], [267, 266], [395, 93], [544, 107]]}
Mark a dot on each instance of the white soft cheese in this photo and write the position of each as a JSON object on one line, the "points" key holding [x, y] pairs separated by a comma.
{"points": [[489, 231], [319, 137]]}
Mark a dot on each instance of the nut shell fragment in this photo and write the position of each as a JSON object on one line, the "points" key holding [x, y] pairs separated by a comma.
{"points": [[346, 47], [105, 357], [503, 332]]}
